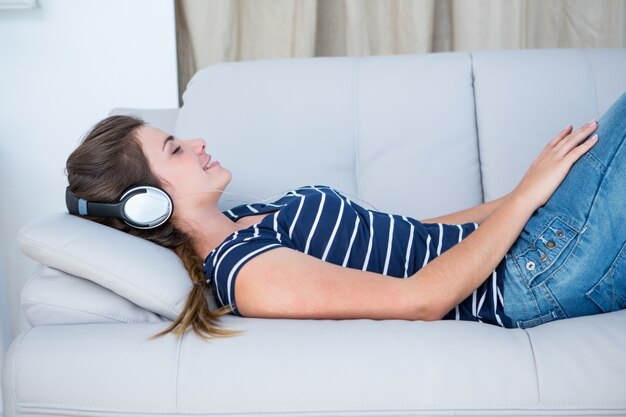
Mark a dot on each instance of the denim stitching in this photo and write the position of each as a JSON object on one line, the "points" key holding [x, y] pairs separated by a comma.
{"points": [[595, 162], [549, 297], [609, 278], [613, 304]]}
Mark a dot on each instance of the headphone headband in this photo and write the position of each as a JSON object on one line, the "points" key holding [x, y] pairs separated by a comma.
{"points": [[142, 207]]}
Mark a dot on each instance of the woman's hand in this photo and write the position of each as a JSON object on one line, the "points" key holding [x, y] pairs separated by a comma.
{"points": [[549, 169]]}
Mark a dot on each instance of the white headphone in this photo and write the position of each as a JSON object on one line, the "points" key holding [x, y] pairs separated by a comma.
{"points": [[142, 207]]}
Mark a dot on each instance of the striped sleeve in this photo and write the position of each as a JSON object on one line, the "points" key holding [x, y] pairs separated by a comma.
{"points": [[233, 255]]}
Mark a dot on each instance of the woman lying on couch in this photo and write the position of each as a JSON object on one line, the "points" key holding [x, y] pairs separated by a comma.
{"points": [[552, 248]]}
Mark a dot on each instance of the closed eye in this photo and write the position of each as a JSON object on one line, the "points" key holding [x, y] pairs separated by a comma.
{"points": [[176, 150]]}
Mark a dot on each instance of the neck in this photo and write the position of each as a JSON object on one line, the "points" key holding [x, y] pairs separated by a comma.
{"points": [[207, 227]]}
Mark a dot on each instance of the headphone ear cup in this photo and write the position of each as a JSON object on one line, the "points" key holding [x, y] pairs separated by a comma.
{"points": [[146, 207]]}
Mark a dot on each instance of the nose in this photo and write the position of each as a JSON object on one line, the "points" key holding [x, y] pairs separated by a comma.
{"points": [[199, 146]]}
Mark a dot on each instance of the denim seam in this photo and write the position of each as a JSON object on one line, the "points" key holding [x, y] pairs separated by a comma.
{"points": [[611, 273], [528, 289], [549, 298], [539, 320], [563, 218], [595, 162], [619, 258], [612, 290], [537, 308]]}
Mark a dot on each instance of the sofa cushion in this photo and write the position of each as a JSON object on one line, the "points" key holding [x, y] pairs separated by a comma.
{"points": [[55, 297], [363, 126], [525, 98], [295, 367], [143, 272]]}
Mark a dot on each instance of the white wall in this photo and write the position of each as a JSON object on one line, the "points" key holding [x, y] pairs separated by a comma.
{"points": [[63, 66]]}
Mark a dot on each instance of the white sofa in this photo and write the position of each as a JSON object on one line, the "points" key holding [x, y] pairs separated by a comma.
{"points": [[420, 135]]}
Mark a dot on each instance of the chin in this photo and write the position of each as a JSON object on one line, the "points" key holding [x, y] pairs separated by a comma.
{"points": [[222, 182], [228, 176]]}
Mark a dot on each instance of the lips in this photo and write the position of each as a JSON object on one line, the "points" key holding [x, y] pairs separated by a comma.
{"points": [[208, 164]]}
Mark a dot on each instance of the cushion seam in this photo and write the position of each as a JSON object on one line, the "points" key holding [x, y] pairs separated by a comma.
{"points": [[118, 319], [532, 351]]}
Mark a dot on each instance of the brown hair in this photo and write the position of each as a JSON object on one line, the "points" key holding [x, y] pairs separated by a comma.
{"points": [[108, 162]]}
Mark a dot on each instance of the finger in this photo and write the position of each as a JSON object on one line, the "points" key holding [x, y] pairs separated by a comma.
{"points": [[561, 135], [586, 129], [581, 149], [576, 137]]}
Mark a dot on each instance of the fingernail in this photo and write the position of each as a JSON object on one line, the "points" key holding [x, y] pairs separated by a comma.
{"points": [[594, 137], [592, 122]]}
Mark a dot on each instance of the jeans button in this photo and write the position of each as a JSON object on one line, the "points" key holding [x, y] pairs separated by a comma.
{"points": [[530, 265], [550, 244], [559, 233], [543, 257]]}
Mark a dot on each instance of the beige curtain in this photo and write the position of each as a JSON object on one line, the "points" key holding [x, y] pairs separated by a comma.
{"points": [[212, 31]]}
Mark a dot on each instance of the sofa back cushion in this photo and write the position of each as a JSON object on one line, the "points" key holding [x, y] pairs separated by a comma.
{"points": [[524, 98], [395, 132]]}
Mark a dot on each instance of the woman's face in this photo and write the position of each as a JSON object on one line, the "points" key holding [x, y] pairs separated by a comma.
{"points": [[186, 171]]}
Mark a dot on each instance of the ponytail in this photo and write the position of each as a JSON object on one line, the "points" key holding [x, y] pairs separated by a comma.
{"points": [[196, 313]]}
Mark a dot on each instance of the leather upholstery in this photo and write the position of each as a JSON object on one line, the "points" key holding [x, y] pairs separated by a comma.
{"points": [[379, 128]]}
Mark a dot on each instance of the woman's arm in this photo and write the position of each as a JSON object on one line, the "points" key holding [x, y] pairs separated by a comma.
{"points": [[476, 214], [285, 283], [451, 277]]}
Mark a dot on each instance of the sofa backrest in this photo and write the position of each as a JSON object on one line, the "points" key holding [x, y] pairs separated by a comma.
{"points": [[419, 135], [525, 97], [397, 132]]}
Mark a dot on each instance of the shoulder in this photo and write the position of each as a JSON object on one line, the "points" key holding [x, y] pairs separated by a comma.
{"points": [[222, 265]]}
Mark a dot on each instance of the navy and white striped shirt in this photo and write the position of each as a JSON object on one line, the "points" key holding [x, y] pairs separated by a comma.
{"points": [[320, 221]]}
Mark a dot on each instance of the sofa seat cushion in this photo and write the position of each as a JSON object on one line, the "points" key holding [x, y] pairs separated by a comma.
{"points": [[281, 367]]}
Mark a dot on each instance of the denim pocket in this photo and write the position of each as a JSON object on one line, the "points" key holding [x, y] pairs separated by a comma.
{"points": [[610, 292]]}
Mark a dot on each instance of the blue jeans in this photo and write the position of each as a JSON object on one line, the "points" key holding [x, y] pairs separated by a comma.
{"points": [[570, 258]]}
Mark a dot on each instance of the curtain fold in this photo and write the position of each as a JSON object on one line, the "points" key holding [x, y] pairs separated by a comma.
{"points": [[388, 27], [234, 30], [239, 30]]}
